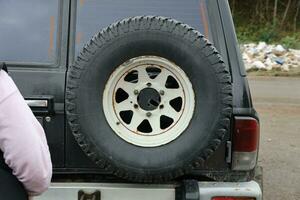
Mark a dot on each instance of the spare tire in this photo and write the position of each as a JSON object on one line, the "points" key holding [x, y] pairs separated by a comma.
{"points": [[148, 99]]}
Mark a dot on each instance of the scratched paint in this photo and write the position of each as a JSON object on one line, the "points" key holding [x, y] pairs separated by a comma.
{"points": [[78, 37], [81, 2], [51, 36], [204, 19]]}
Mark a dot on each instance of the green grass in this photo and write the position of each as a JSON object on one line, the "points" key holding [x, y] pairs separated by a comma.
{"points": [[268, 34], [294, 72]]}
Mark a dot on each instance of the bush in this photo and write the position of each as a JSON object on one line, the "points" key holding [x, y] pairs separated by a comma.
{"points": [[252, 33], [268, 34], [291, 42]]}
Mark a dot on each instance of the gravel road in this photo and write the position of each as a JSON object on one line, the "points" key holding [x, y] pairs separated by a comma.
{"points": [[277, 101]]}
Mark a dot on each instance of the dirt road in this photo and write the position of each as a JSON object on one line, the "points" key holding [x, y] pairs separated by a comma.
{"points": [[277, 101]]}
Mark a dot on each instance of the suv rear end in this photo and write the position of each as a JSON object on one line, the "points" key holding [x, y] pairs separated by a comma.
{"points": [[225, 171]]}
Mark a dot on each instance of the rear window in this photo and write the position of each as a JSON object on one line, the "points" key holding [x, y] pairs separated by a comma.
{"points": [[93, 15], [28, 31]]}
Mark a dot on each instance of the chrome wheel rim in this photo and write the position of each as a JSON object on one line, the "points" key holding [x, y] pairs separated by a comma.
{"points": [[148, 101]]}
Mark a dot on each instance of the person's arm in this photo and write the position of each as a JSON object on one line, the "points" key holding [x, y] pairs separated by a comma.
{"points": [[22, 140]]}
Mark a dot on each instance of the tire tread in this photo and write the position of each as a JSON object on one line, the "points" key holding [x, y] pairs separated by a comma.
{"points": [[148, 23]]}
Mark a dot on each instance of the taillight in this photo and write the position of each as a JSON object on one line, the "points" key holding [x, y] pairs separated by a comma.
{"points": [[233, 198], [245, 143]]}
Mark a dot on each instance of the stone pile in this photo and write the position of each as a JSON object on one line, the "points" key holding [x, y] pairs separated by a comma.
{"points": [[267, 57]]}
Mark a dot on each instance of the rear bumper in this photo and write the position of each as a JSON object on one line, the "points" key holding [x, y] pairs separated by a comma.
{"points": [[243, 189], [202, 191]]}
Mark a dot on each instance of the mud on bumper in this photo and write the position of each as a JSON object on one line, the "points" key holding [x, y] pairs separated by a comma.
{"points": [[188, 190]]}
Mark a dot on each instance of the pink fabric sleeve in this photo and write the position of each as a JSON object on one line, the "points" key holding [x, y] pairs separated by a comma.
{"points": [[22, 139]]}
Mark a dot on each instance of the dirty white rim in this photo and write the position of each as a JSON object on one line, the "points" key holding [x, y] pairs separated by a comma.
{"points": [[148, 101]]}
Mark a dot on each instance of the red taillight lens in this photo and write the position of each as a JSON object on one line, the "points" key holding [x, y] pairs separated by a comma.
{"points": [[233, 198], [245, 143], [246, 134]]}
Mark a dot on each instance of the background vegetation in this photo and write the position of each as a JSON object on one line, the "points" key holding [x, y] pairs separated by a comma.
{"points": [[272, 21]]}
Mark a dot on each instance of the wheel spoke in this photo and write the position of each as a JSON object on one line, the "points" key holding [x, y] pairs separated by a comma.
{"points": [[124, 105], [171, 94], [155, 123], [127, 87], [170, 112], [135, 121], [143, 76], [162, 77]]}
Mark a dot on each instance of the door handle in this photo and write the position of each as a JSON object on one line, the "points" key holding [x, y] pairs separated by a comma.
{"points": [[41, 104], [37, 103]]}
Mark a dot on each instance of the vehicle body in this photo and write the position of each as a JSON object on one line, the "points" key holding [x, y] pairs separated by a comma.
{"points": [[42, 81]]}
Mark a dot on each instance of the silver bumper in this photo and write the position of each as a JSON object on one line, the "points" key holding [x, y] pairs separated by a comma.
{"points": [[244, 189], [207, 190]]}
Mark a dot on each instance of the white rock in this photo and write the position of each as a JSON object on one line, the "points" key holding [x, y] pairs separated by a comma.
{"points": [[261, 58], [269, 63], [264, 56], [261, 46], [295, 51], [246, 58], [258, 64], [269, 67], [252, 52], [248, 66], [279, 50], [285, 67], [268, 49], [297, 57]]}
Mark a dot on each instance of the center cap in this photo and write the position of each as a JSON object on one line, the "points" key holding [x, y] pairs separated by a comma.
{"points": [[148, 99]]}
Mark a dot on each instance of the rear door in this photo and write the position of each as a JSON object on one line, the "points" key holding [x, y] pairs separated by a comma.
{"points": [[88, 17], [33, 43]]}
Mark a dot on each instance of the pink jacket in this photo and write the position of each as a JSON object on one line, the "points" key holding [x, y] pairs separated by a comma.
{"points": [[22, 139]]}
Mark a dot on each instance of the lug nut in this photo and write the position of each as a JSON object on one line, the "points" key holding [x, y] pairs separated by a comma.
{"points": [[135, 106], [148, 114], [149, 84], [161, 106], [136, 92], [161, 92]]}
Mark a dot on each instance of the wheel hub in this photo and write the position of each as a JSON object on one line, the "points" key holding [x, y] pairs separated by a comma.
{"points": [[149, 99]]}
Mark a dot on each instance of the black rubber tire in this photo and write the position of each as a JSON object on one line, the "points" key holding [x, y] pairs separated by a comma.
{"points": [[177, 42]]}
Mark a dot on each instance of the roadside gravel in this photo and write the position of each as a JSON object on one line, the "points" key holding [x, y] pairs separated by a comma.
{"points": [[277, 100]]}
